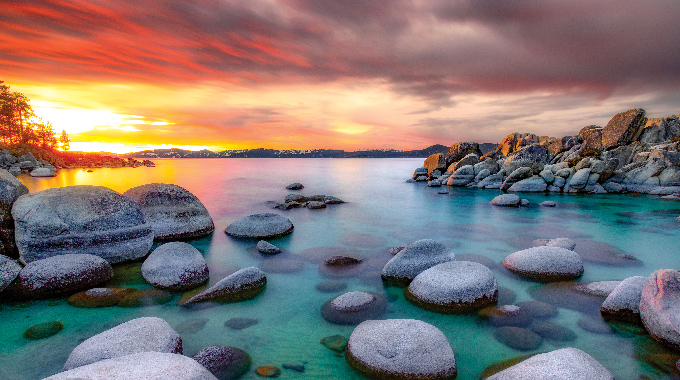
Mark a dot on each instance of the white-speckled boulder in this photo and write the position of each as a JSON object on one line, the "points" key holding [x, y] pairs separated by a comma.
{"points": [[532, 184], [243, 285], [59, 276], [564, 364], [10, 190], [43, 172], [266, 247], [506, 200], [226, 363], [545, 264], [454, 287], [139, 366], [138, 335], [172, 211], [175, 266], [9, 270], [260, 226], [400, 349], [660, 307], [623, 303], [354, 307], [413, 259], [80, 219]]}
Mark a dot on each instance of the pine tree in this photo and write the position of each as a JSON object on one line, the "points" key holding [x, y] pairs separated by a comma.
{"points": [[64, 140]]}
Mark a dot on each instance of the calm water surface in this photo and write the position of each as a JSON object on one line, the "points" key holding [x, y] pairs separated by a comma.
{"points": [[382, 212]]}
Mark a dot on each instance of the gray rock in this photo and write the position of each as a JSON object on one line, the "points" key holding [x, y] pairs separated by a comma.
{"points": [[462, 176], [137, 335], [482, 174], [597, 288], [140, 365], [295, 186], [58, 276], [400, 349], [507, 200], [623, 128], [413, 259], [267, 248], [565, 243], [565, 364], [580, 179], [10, 190], [660, 307], [226, 363], [419, 173], [9, 270], [454, 287], [623, 303], [553, 189], [534, 156], [519, 338], [559, 182], [524, 202], [175, 266], [434, 183], [260, 226], [669, 177], [516, 176], [545, 264], [548, 204], [172, 211], [592, 137], [532, 184], [494, 181], [563, 173], [613, 187], [421, 178], [315, 205], [43, 172], [488, 164], [547, 175], [354, 307], [243, 285], [470, 159], [80, 219]]}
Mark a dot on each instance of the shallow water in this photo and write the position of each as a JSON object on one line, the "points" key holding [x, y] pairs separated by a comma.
{"points": [[382, 212]]}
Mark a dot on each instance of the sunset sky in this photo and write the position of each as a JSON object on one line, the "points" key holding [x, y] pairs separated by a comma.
{"points": [[123, 76]]}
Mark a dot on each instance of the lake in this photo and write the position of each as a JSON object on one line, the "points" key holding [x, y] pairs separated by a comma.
{"points": [[382, 211]]}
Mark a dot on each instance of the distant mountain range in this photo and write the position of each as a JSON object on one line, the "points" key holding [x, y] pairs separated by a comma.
{"points": [[294, 153]]}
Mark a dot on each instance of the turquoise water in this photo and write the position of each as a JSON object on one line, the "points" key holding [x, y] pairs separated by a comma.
{"points": [[382, 212]]}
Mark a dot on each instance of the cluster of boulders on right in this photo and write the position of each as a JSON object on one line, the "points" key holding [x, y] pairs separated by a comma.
{"points": [[630, 154]]}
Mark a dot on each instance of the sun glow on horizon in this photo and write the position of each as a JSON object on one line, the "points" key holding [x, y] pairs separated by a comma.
{"points": [[124, 148]]}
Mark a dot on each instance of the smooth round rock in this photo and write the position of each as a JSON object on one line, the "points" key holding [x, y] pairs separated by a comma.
{"points": [[519, 338], [43, 172], [331, 286], [594, 325], [138, 335], [43, 330], [267, 248], [295, 186], [565, 243], [353, 307], [506, 200], [545, 264], [243, 285], [80, 219], [505, 315], [175, 266], [260, 226], [59, 276], [552, 331], [567, 364], [191, 326], [141, 365], [453, 287], [240, 323], [538, 309], [225, 363], [597, 288], [99, 297], [660, 307], [548, 204], [413, 259], [400, 349], [172, 211], [623, 303], [9, 270]]}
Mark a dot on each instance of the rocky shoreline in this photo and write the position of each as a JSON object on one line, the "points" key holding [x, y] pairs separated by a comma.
{"points": [[631, 154]]}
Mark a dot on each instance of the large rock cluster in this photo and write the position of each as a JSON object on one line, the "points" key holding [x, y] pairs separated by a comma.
{"points": [[630, 154]]}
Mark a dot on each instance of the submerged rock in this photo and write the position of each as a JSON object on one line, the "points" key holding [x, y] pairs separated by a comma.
{"points": [[268, 371], [99, 297], [623, 303], [518, 338], [353, 308], [80, 219], [400, 348], [545, 264], [240, 323], [660, 307], [413, 259], [225, 363], [175, 266], [172, 211], [506, 315], [337, 343], [43, 330], [566, 363], [138, 335], [260, 226], [243, 285]]}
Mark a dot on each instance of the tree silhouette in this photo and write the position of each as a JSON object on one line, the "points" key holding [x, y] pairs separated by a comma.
{"points": [[18, 123], [64, 140]]}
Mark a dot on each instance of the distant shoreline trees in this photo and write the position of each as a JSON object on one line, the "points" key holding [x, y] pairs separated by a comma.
{"points": [[20, 125]]}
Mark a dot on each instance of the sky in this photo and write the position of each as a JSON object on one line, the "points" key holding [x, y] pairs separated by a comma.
{"points": [[123, 76]]}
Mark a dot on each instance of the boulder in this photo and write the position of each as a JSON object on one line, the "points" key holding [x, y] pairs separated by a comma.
{"points": [[400, 349], [83, 220], [225, 363], [515, 176], [267, 248], [260, 226], [434, 183], [487, 164], [623, 303], [99, 297], [295, 186], [172, 211], [565, 243], [660, 307], [534, 156], [453, 287], [175, 266], [460, 150], [9, 270], [462, 176], [623, 128], [506, 315], [413, 259], [506, 200], [43, 330], [420, 172], [354, 307], [494, 181], [592, 137], [434, 162], [59, 276], [545, 264], [140, 365], [43, 172], [547, 175], [10, 190], [243, 285], [548, 204], [566, 363], [533, 184], [137, 335], [481, 175], [519, 338], [470, 159], [580, 179], [553, 331]]}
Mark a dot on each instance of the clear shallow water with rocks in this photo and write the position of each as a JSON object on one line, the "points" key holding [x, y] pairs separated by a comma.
{"points": [[383, 211]]}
